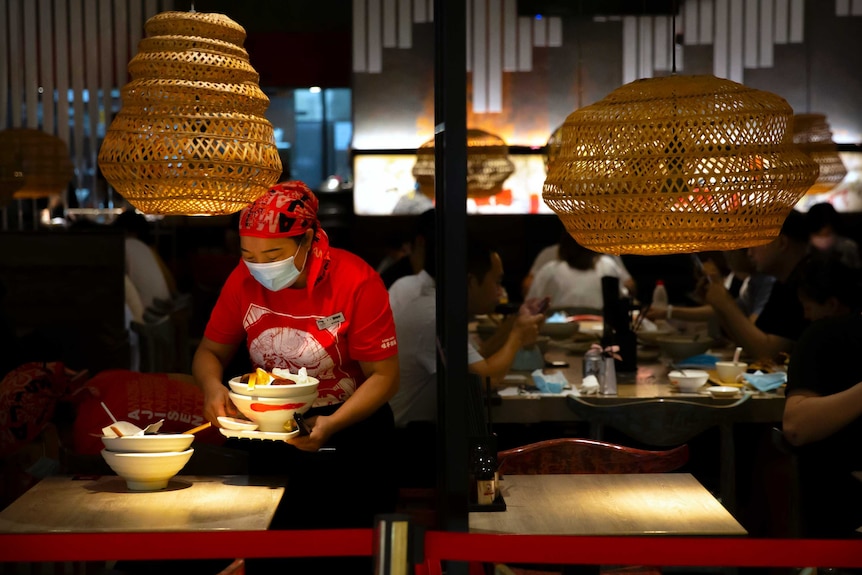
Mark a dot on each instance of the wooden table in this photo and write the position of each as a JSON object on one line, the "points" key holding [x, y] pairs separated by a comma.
{"points": [[607, 504], [104, 504], [649, 382]]}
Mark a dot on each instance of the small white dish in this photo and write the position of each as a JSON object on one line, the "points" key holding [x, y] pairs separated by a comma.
{"points": [[263, 435], [723, 391], [236, 424]]}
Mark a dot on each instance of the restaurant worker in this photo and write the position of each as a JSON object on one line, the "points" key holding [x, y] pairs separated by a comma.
{"points": [[296, 302]]}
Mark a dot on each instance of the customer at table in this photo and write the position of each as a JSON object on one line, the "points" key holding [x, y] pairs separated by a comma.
{"points": [[782, 320], [823, 410], [144, 266], [413, 302], [574, 280], [828, 235], [493, 358], [749, 287], [551, 254], [296, 302]]}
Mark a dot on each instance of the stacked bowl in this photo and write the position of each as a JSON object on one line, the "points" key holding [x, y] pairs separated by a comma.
{"points": [[272, 403], [148, 462]]}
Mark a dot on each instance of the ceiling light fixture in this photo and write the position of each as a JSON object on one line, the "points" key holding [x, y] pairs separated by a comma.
{"points": [[488, 165], [812, 134], [191, 137]]}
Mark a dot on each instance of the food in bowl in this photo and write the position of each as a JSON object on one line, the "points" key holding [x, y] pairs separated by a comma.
{"points": [[272, 413], [159, 443], [147, 471], [279, 383], [279, 376], [688, 380]]}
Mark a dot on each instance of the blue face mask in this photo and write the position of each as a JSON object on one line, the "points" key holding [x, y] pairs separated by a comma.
{"points": [[275, 276]]}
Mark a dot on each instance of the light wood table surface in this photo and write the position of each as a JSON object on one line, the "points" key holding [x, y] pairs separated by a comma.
{"points": [[104, 504], [607, 504]]}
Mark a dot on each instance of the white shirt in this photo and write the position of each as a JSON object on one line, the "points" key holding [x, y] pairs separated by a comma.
{"points": [[413, 301], [568, 287], [145, 273], [547, 254], [552, 253]]}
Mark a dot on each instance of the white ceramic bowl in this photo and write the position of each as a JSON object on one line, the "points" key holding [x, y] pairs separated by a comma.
{"points": [[688, 380], [559, 330], [269, 390], [730, 372], [271, 413], [149, 443], [147, 471], [650, 337], [683, 346]]}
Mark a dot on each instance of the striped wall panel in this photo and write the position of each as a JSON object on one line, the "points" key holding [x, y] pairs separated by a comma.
{"points": [[61, 62]]}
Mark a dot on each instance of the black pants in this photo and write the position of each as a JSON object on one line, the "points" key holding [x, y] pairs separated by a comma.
{"points": [[342, 486]]}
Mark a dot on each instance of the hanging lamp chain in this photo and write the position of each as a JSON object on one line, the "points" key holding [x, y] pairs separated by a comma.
{"points": [[673, 38]]}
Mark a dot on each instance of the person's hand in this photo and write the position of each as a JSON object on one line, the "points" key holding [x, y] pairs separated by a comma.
{"points": [[217, 403], [712, 291], [318, 437], [526, 328], [656, 313], [535, 306]]}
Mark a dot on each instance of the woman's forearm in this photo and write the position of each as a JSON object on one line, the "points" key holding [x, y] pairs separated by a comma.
{"points": [[380, 387], [809, 418]]}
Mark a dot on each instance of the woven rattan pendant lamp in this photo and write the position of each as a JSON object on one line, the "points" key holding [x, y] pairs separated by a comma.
{"points": [[812, 134], [191, 137], [552, 147], [678, 164], [11, 180], [488, 165], [33, 164]]}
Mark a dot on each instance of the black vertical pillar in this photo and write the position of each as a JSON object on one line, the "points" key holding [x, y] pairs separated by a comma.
{"points": [[450, 118]]}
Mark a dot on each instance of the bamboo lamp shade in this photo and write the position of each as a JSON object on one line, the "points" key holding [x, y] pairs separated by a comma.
{"points": [[488, 165], [11, 180], [812, 134], [552, 147], [33, 164], [191, 137], [678, 164]]}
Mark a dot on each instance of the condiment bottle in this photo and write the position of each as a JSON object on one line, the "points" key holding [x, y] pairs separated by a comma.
{"points": [[594, 363], [484, 474]]}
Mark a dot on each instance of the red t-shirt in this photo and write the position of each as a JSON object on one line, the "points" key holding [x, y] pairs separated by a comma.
{"points": [[328, 330]]}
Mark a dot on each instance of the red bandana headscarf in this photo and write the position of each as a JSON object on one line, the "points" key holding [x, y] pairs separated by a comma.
{"points": [[287, 210]]}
